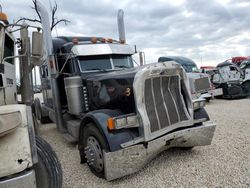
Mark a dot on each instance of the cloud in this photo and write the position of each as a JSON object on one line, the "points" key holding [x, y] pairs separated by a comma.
{"points": [[209, 30]]}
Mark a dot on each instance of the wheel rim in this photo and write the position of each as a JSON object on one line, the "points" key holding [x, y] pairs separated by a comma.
{"points": [[93, 153]]}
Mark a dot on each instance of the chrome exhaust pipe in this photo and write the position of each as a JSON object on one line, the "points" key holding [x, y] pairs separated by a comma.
{"points": [[121, 27], [53, 72]]}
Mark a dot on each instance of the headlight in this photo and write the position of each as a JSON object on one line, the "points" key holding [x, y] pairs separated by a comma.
{"points": [[199, 103], [9, 122], [120, 122]]}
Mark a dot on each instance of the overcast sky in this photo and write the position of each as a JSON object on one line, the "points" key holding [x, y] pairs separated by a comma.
{"points": [[208, 32]]}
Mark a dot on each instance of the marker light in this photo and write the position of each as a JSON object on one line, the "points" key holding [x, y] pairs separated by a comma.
{"points": [[94, 40], [122, 41], [103, 40], [109, 40], [3, 17], [111, 124], [75, 41]]}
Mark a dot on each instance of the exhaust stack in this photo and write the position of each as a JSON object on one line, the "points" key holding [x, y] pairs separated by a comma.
{"points": [[53, 73], [121, 27]]}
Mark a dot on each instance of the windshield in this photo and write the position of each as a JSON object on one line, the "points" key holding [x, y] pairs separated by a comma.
{"points": [[190, 68], [8, 48], [104, 62], [122, 61], [101, 62]]}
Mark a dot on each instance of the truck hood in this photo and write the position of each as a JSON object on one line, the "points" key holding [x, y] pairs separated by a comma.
{"points": [[112, 90], [196, 75], [114, 74]]}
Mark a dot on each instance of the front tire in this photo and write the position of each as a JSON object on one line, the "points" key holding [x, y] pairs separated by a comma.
{"points": [[48, 169], [39, 112], [94, 143], [246, 88]]}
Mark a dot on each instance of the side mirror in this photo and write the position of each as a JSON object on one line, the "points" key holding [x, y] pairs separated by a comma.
{"points": [[3, 83], [37, 48], [37, 43]]}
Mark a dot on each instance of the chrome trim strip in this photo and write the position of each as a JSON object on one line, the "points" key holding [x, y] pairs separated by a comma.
{"points": [[153, 95], [183, 103], [173, 100], [166, 109]]}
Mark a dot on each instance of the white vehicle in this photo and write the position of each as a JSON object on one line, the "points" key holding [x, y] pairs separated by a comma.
{"points": [[245, 67], [26, 160], [200, 84], [230, 78]]}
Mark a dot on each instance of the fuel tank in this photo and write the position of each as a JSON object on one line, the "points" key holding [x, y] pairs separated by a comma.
{"points": [[112, 90]]}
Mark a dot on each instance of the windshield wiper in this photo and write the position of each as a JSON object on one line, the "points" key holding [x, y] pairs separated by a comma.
{"points": [[121, 66], [105, 70]]}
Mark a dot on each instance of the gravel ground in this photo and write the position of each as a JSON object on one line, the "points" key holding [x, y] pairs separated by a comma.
{"points": [[225, 163]]}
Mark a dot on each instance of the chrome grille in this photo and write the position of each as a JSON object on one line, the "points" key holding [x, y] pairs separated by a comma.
{"points": [[163, 101], [202, 84]]}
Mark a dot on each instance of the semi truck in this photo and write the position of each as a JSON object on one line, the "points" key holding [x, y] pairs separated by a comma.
{"points": [[26, 159], [200, 83], [121, 116]]}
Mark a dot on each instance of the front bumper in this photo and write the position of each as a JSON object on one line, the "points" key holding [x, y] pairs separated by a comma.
{"points": [[131, 159], [216, 92], [21, 180], [205, 96]]}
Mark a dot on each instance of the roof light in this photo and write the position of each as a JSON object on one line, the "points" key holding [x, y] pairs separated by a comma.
{"points": [[3, 17], [94, 40], [75, 41], [109, 40], [122, 41], [103, 40]]}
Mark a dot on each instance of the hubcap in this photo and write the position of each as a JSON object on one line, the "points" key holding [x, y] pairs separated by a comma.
{"points": [[93, 153]]}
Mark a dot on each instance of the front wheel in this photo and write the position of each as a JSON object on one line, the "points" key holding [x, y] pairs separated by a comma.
{"points": [[48, 169], [94, 143], [246, 88], [38, 112]]}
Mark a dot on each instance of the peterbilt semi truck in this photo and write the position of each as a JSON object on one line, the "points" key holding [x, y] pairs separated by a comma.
{"points": [[26, 160], [200, 83], [121, 116]]}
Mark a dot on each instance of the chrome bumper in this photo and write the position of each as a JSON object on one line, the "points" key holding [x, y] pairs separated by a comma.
{"points": [[131, 159], [216, 92], [21, 180]]}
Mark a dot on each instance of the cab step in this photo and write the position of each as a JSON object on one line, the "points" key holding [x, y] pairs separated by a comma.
{"points": [[69, 138]]}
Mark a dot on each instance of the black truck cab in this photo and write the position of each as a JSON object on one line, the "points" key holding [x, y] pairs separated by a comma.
{"points": [[105, 69]]}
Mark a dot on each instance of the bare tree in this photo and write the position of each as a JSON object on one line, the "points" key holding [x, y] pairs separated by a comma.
{"points": [[54, 21]]}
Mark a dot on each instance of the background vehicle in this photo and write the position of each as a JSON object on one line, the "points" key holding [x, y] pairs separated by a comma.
{"points": [[26, 159], [121, 116], [232, 79], [200, 83], [238, 60], [210, 70], [245, 67]]}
